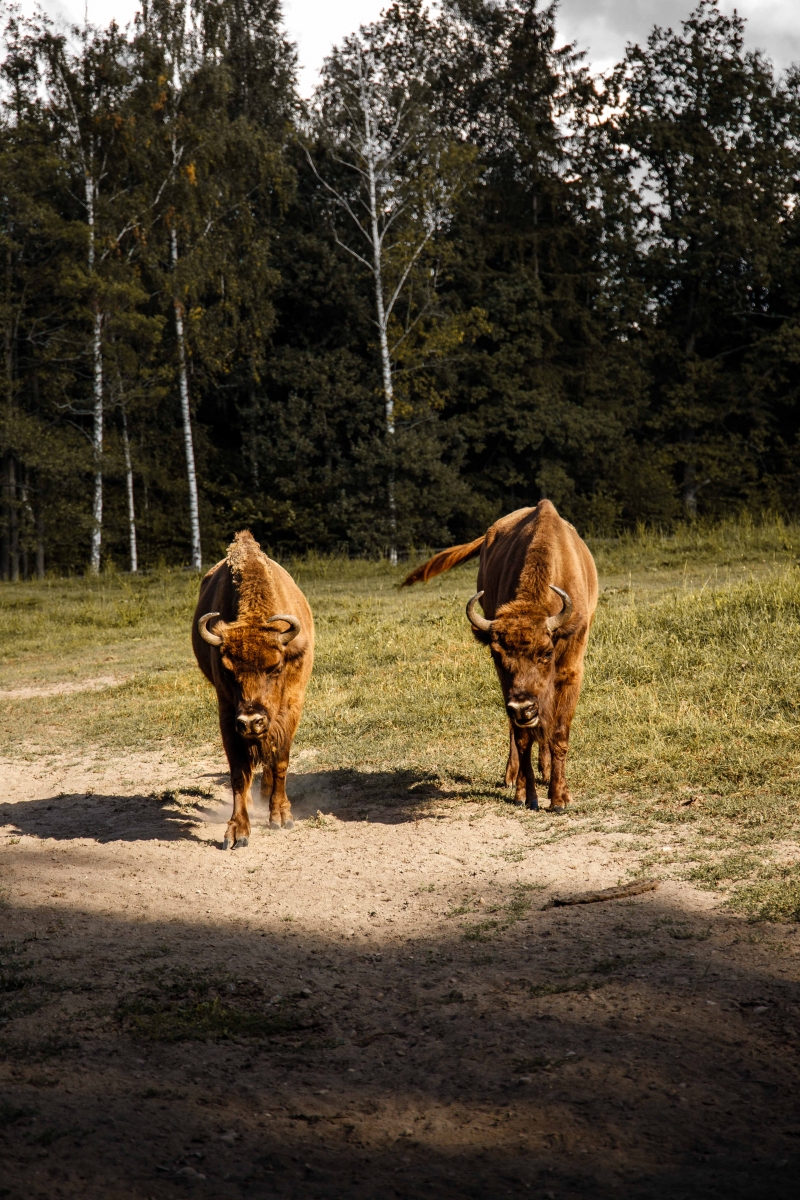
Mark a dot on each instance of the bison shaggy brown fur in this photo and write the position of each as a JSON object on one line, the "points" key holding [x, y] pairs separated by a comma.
{"points": [[253, 638], [537, 585]]}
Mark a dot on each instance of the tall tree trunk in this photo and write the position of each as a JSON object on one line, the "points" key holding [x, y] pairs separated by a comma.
{"points": [[188, 443], [5, 528], [39, 541], [126, 449], [6, 496], [689, 484], [11, 514], [26, 520], [97, 441], [386, 361], [689, 487], [97, 395]]}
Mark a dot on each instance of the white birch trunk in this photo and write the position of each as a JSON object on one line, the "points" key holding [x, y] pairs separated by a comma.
{"points": [[386, 361], [188, 442], [97, 395], [126, 449]]}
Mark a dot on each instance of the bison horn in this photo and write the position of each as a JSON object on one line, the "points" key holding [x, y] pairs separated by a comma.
{"points": [[561, 618], [289, 634], [475, 618], [213, 639]]}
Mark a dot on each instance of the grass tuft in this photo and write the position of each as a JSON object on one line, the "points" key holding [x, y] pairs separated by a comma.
{"points": [[775, 898], [196, 1006]]}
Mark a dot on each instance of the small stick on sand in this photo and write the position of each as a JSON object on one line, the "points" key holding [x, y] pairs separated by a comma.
{"points": [[615, 893]]}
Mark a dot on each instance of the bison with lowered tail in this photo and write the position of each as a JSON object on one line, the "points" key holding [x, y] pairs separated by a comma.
{"points": [[253, 638], [537, 585]]}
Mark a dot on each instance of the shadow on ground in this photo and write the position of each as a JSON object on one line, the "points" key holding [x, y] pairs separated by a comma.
{"points": [[620, 1050], [103, 818], [388, 797], [385, 797]]}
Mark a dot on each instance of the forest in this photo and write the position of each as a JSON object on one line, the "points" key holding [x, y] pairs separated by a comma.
{"points": [[466, 274]]}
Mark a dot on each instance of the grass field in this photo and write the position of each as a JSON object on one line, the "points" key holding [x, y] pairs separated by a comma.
{"points": [[689, 714], [390, 1000]]}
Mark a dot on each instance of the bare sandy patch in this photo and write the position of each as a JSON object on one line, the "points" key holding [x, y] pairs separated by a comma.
{"points": [[65, 688], [377, 1003]]}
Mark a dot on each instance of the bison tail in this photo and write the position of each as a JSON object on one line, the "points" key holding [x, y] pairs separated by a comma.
{"points": [[443, 562]]}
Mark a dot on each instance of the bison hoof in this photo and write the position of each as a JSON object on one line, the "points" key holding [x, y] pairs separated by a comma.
{"points": [[558, 810], [274, 824], [226, 843], [533, 806], [241, 842], [288, 824]]}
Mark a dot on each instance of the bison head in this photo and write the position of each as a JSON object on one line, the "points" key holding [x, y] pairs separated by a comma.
{"points": [[522, 642], [254, 655]]}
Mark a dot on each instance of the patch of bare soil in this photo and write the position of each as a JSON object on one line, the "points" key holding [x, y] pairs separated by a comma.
{"points": [[65, 688], [376, 1004]]}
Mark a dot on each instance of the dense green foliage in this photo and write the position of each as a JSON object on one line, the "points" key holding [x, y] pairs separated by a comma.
{"points": [[595, 282]]}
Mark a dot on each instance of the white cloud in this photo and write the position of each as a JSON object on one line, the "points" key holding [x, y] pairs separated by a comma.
{"points": [[317, 25], [602, 27]]}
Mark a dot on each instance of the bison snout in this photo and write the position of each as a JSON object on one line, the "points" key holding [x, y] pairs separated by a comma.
{"points": [[251, 724], [524, 713]]}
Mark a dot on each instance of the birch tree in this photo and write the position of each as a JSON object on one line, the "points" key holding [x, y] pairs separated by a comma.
{"points": [[186, 411], [168, 45], [218, 64], [129, 495], [88, 89], [392, 176]]}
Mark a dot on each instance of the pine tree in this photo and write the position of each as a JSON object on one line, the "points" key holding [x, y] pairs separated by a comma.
{"points": [[547, 400], [707, 131]]}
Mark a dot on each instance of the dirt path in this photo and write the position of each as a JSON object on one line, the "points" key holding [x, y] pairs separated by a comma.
{"points": [[64, 688], [377, 1004]]}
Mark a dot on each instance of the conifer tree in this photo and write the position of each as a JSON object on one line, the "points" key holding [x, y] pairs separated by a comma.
{"points": [[710, 136]]}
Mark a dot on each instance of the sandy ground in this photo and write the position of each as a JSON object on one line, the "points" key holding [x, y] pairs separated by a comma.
{"points": [[63, 688], [375, 1004]]}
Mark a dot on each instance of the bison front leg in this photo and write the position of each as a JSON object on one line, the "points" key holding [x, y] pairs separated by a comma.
{"points": [[526, 783], [558, 791], [512, 766], [237, 834], [544, 755], [566, 701], [280, 810]]}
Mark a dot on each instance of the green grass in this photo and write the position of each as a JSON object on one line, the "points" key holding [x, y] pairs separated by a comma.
{"points": [[197, 1006], [773, 898], [689, 714]]}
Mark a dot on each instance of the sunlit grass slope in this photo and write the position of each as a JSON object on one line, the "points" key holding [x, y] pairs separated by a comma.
{"points": [[689, 711]]}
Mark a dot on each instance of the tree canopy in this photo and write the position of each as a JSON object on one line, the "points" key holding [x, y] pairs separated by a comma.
{"points": [[467, 274]]}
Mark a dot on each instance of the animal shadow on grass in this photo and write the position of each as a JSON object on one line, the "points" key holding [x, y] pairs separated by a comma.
{"points": [[385, 797], [164, 816]]}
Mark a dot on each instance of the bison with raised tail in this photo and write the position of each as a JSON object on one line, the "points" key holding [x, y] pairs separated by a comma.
{"points": [[253, 638], [537, 585]]}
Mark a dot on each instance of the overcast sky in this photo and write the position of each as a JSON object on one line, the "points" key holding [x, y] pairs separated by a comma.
{"points": [[602, 27]]}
